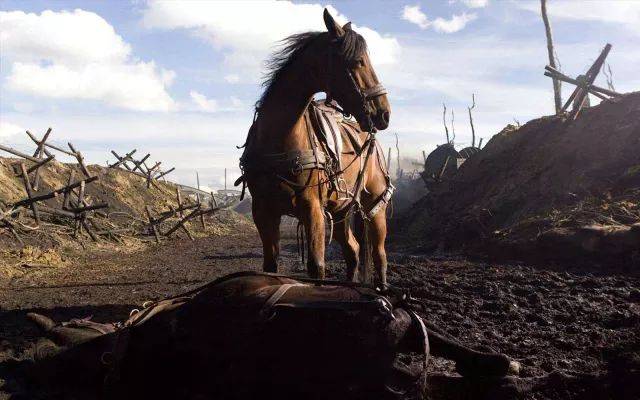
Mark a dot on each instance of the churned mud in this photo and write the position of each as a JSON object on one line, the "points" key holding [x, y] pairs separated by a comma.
{"points": [[575, 332]]}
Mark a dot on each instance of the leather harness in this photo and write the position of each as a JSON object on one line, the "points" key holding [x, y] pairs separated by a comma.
{"points": [[322, 121]]}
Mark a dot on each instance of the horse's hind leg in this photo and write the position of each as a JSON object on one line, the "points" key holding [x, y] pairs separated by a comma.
{"points": [[350, 248], [268, 225]]}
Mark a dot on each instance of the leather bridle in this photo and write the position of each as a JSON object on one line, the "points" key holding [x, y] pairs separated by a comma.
{"points": [[365, 94]]}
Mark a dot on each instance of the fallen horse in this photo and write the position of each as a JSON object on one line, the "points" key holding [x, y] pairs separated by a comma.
{"points": [[254, 335]]}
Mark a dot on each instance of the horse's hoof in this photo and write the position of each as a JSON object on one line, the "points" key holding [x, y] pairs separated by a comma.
{"points": [[514, 368]]}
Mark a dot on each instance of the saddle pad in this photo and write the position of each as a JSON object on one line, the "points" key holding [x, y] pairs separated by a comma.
{"points": [[328, 129]]}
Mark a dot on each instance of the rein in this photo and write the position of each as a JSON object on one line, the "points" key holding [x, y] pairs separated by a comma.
{"points": [[366, 94]]}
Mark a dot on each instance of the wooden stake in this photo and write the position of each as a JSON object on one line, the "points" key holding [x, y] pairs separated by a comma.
{"points": [[201, 215], [29, 189], [80, 159], [19, 154], [151, 222], [39, 153], [179, 198]]}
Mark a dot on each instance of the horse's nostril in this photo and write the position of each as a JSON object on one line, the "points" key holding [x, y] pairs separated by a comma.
{"points": [[385, 117]]}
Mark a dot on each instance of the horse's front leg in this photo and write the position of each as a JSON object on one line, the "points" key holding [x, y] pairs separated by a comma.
{"points": [[350, 247], [311, 213], [378, 234], [267, 222]]}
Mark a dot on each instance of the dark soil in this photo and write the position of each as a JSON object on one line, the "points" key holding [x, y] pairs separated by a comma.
{"points": [[582, 328], [548, 175]]}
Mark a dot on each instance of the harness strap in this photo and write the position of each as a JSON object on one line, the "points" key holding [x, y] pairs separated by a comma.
{"points": [[382, 200], [425, 336], [267, 308], [374, 91]]}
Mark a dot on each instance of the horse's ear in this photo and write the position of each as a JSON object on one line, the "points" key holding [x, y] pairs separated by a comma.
{"points": [[347, 26], [332, 26]]}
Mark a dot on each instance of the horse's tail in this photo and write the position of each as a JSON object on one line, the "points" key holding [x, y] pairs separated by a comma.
{"points": [[363, 233]]}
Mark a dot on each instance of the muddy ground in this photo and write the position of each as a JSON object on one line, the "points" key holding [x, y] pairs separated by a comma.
{"points": [[560, 322]]}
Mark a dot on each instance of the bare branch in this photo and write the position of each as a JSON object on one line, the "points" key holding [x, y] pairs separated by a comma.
{"points": [[473, 130], [444, 121], [453, 127], [609, 76]]}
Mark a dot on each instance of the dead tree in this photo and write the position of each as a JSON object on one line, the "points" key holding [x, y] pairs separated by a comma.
{"points": [[557, 89], [609, 76], [473, 130], [444, 121], [453, 127]]}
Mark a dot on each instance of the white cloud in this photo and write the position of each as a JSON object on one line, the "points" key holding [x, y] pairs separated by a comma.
{"points": [[246, 38], [476, 3], [205, 104], [414, 15], [8, 129], [78, 55], [456, 23], [626, 13], [232, 78]]}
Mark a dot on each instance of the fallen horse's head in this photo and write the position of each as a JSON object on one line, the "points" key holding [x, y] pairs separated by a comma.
{"points": [[244, 336]]}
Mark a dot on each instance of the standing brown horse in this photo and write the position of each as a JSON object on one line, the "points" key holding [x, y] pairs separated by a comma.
{"points": [[289, 172]]}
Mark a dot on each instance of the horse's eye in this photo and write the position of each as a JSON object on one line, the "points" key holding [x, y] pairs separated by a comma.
{"points": [[359, 63]]}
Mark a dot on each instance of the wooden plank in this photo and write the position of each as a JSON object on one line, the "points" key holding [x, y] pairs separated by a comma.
{"points": [[575, 82], [51, 146], [88, 208], [182, 222], [201, 215], [121, 161], [40, 148], [54, 193], [39, 153], [214, 203], [165, 173], [137, 164], [67, 195], [80, 158], [19, 153], [29, 189], [594, 88], [55, 211], [179, 198], [38, 165], [153, 226], [578, 94]]}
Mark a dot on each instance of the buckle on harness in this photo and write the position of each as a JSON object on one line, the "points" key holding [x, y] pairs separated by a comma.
{"points": [[297, 166]]}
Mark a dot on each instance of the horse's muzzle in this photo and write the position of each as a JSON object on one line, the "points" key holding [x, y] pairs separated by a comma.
{"points": [[381, 119]]}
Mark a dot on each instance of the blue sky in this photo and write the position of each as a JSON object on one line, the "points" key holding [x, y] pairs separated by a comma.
{"points": [[179, 79]]}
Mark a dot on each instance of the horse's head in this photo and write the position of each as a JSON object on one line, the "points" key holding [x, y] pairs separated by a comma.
{"points": [[351, 79]]}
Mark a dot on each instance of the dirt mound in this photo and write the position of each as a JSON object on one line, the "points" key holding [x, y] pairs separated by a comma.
{"points": [[541, 186], [126, 194]]}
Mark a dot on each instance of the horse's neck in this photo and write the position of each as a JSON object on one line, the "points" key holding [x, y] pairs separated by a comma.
{"points": [[281, 121]]}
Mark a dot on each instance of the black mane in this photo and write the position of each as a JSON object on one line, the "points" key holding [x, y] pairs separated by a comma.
{"points": [[351, 46]]}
